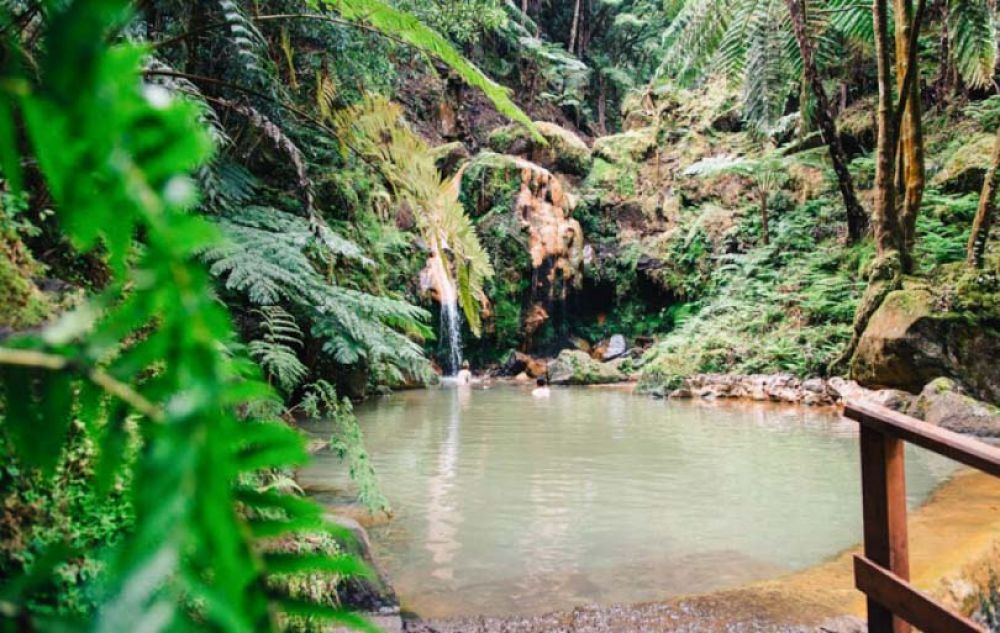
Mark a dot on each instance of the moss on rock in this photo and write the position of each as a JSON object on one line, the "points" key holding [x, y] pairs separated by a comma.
{"points": [[565, 151], [634, 145], [22, 305], [575, 367], [913, 338], [964, 170]]}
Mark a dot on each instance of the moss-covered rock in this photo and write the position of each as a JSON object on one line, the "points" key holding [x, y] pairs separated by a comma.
{"points": [[634, 145], [910, 341], [22, 305], [565, 151], [449, 156], [943, 403], [964, 170], [576, 367]]}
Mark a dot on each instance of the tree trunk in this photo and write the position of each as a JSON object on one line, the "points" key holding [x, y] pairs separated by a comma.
{"points": [[857, 219], [884, 214], [986, 210], [910, 174], [885, 270], [602, 104], [574, 26], [765, 234], [943, 87]]}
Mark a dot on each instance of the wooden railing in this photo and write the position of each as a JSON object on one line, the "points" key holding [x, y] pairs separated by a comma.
{"points": [[882, 573]]}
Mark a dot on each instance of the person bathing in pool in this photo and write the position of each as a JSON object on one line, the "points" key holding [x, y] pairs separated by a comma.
{"points": [[464, 377], [541, 389]]}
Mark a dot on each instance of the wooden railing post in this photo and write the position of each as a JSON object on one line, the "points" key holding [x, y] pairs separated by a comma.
{"points": [[883, 484], [883, 573]]}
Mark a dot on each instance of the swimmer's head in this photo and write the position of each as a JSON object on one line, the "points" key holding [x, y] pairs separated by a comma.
{"points": [[465, 364], [540, 382]]}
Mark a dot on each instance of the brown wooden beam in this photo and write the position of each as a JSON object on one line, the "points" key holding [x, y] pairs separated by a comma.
{"points": [[898, 596], [961, 448], [883, 488]]}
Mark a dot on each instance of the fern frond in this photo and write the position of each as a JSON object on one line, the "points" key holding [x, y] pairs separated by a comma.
{"points": [[972, 27], [410, 30], [246, 38], [852, 19], [694, 36], [768, 78], [376, 129], [280, 362], [282, 142]]}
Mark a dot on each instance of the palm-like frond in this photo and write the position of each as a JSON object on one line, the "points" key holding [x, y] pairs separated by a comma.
{"points": [[749, 41], [410, 30], [244, 35], [275, 350], [852, 19], [972, 27], [768, 77], [376, 128], [696, 34]]}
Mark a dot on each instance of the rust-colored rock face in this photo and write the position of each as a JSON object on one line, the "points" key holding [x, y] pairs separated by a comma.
{"points": [[555, 240], [555, 237]]}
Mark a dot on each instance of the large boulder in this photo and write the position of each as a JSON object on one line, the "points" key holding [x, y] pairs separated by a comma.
{"points": [[965, 169], [634, 145], [564, 150], [371, 593], [909, 342], [575, 367], [616, 347], [943, 403]]}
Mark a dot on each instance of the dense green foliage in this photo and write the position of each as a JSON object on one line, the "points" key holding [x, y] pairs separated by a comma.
{"points": [[216, 220], [145, 430]]}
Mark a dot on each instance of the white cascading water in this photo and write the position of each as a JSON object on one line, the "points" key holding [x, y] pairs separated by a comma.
{"points": [[451, 321]]}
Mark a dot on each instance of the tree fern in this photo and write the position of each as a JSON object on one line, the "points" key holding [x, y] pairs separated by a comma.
{"points": [[409, 29], [275, 351], [266, 256], [375, 128], [245, 37], [972, 27], [749, 41], [695, 35], [768, 74]]}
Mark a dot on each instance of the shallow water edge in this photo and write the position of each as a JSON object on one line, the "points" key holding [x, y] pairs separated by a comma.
{"points": [[954, 542]]}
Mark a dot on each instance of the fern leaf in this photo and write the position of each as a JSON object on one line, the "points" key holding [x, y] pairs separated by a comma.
{"points": [[409, 29], [972, 27]]}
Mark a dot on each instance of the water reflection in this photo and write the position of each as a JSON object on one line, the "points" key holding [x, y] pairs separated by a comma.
{"points": [[511, 504], [442, 518]]}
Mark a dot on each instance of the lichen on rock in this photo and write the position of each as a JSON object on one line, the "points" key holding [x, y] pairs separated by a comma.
{"points": [[943, 403], [634, 145]]}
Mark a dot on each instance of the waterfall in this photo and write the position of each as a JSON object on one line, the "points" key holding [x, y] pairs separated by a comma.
{"points": [[451, 320], [451, 323]]}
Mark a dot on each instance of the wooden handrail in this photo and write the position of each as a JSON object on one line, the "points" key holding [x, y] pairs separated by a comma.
{"points": [[961, 448], [882, 574], [912, 605]]}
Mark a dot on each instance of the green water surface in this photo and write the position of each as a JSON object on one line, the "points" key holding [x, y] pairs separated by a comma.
{"points": [[506, 503]]}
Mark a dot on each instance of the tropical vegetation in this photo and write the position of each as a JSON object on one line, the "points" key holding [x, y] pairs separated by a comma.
{"points": [[220, 220]]}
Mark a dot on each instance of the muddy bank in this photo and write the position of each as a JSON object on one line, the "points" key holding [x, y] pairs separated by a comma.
{"points": [[954, 540]]}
